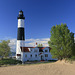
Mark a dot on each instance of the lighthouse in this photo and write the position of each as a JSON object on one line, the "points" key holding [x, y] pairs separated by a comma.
{"points": [[20, 35], [24, 53]]}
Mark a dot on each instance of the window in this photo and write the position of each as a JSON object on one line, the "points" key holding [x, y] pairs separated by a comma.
{"points": [[26, 55], [46, 55], [35, 55], [46, 50], [31, 55], [35, 50]]}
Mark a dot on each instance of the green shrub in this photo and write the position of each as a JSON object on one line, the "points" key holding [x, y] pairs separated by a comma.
{"points": [[9, 61]]}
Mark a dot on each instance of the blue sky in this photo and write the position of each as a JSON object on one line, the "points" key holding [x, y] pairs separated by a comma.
{"points": [[40, 16]]}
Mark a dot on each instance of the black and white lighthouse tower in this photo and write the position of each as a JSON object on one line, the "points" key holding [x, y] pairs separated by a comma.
{"points": [[20, 34]]}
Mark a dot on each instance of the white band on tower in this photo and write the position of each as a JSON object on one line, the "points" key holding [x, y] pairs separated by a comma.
{"points": [[20, 23]]}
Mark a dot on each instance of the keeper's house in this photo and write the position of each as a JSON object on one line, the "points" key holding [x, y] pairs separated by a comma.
{"points": [[34, 54]]}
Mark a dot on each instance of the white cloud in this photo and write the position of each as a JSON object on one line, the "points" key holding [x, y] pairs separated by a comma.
{"points": [[12, 45], [29, 42]]}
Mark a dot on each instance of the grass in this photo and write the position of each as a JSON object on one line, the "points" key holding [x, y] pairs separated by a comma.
{"points": [[39, 62], [70, 60], [9, 61]]}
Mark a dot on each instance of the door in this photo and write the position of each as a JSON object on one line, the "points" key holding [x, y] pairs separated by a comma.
{"points": [[42, 57]]}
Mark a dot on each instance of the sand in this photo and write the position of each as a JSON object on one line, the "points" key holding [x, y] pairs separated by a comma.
{"points": [[57, 68]]}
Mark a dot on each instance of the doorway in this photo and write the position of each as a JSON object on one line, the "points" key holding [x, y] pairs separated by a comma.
{"points": [[42, 57]]}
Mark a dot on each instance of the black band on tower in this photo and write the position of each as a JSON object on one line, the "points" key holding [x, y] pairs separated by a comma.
{"points": [[20, 35]]}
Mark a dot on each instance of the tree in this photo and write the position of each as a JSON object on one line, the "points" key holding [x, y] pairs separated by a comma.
{"points": [[40, 45], [61, 42], [4, 48]]}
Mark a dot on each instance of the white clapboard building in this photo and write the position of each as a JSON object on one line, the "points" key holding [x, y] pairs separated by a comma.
{"points": [[29, 53]]}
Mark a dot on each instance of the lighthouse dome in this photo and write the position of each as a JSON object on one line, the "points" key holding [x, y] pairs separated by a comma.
{"points": [[20, 16]]}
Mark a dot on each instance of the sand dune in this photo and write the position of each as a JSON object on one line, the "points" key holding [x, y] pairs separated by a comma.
{"points": [[57, 68]]}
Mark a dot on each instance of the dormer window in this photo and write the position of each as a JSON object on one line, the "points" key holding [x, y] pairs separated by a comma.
{"points": [[46, 50]]}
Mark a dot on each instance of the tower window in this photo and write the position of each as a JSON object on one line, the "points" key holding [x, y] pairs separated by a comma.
{"points": [[20, 13]]}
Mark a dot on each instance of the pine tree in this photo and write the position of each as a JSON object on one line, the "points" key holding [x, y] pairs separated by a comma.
{"points": [[40, 45]]}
